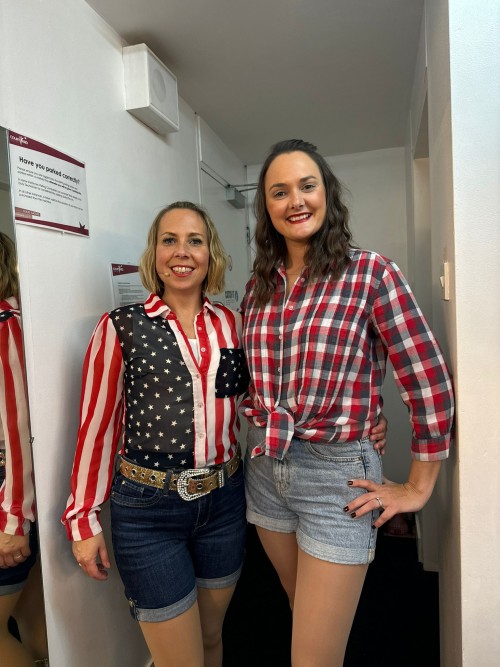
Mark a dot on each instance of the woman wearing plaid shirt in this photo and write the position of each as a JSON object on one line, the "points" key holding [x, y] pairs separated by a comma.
{"points": [[320, 319]]}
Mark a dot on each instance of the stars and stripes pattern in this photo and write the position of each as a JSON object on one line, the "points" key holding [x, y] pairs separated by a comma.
{"points": [[318, 359], [17, 501], [176, 399]]}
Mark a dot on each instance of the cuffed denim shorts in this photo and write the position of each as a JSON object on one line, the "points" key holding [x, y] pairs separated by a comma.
{"points": [[165, 547], [306, 493], [13, 579]]}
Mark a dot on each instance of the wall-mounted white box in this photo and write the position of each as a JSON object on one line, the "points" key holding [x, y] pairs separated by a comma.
{"points": [[150, 89]]}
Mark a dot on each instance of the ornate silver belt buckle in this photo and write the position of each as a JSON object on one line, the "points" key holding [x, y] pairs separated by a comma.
{"points": [[183, 481]]}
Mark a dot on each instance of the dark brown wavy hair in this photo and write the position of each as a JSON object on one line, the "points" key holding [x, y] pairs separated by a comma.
{"points": [[328, 250]]}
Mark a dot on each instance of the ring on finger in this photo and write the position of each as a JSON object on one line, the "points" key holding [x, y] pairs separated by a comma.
{"points": [[18, 556], [380, 505]]}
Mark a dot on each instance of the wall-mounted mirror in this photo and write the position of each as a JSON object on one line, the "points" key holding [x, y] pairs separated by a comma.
{"points": [[22, 618]]}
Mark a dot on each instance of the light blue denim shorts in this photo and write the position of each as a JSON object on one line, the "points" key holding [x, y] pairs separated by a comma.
{"points": [[306, 493]]}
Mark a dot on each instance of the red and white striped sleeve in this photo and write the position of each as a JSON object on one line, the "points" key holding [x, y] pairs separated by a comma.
{"points": [[101, 424], [17, 507]]}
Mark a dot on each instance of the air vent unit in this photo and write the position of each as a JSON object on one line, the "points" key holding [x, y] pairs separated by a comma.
{"points": [[150, 89]]}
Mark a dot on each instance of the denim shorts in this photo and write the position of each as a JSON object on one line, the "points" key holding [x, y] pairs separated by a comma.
{"points": [[165, 547], [306, 492]]}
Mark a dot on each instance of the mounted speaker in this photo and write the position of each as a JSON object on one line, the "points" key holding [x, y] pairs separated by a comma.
{"points": [[150, 89]]}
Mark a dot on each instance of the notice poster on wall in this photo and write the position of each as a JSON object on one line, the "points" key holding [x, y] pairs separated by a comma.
{"points": [[127, 286], [48, 187], [232, 298]]}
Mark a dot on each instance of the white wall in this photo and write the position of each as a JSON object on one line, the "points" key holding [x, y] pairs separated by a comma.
{"points": [[5, 207], [441, 207], [420, 273], [375, 185], [464, 130], [5, 213], [462, 49], [376, 198], [61, 83]]}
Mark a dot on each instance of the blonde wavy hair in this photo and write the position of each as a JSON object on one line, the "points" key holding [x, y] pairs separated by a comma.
{"points": [[214, 280], [9, 277]]}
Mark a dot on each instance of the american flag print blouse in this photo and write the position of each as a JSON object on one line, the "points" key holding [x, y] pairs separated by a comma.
{"points": [[17, 497], [147, 392]]}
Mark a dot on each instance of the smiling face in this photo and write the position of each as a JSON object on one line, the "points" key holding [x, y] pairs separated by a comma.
{"points": [[182, 252], [295, 197]]}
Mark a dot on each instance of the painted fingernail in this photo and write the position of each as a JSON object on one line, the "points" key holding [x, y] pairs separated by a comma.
{"points": [[349, 483], [353, 514], [346, 508]]}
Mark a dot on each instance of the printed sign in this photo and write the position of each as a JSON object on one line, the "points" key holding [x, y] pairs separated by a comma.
{"points": [[127, 286], [48, 187], [231, 298]]}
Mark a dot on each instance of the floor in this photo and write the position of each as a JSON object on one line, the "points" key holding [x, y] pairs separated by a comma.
{"points": [[396, 625]]}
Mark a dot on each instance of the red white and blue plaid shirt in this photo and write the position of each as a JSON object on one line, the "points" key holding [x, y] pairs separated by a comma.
{"points": [[317, 359]]}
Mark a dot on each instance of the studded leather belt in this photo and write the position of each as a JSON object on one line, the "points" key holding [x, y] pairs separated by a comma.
{"points": [[189, 484]]}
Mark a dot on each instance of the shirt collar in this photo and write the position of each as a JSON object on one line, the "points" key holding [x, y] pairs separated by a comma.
{"points": [[280, 268], [155, 307]]}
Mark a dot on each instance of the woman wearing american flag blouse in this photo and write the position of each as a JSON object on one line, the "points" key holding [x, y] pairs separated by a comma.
{"points": [[20, 582], [320, 318], [171, 371]]}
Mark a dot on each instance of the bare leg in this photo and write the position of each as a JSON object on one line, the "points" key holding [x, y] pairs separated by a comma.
{"points": [[326, 598], [177, 642], [30, 615], [282, 551], [13, 652], [323, 597], [213, 604]]}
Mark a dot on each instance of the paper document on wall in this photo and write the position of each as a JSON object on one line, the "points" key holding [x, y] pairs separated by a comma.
{"points": [[48, 186], [127, 286]]}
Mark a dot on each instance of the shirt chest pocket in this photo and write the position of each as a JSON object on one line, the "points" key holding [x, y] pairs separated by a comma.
{"points": [[232, 375]]}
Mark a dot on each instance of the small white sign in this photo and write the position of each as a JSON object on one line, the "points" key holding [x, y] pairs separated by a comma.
{"points": [[48, 187], [232, 298], [127, 286]]}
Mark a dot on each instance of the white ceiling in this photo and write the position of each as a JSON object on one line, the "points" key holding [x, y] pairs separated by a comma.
{"points": [[334, 72]]}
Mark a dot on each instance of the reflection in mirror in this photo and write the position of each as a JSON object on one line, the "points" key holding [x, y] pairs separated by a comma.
{"points": [[22, 619]]}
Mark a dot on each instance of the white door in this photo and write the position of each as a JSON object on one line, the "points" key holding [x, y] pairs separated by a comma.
{"points": [[231, 223]]}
